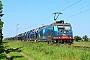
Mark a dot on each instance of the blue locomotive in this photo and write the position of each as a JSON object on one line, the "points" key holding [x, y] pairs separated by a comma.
{"points": [[57, 32]]}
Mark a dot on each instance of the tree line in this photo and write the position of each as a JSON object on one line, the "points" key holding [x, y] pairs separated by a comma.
{"points": [[79, 38], [1, 22]]}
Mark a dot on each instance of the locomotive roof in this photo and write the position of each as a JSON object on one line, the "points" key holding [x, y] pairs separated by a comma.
{"points": [[56, 24], [43, 26], [60, 24], [65, 24]]}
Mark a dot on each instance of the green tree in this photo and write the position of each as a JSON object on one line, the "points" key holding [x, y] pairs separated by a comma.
{"points": [[85, 38], [76, 38], [89, 39], [1, 22]]}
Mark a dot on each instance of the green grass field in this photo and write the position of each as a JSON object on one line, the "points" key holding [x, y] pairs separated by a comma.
{"points": [[44, 51], [17, 56]]}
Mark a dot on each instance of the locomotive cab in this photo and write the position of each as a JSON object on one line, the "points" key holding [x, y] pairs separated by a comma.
{"points": [[63, 32]]}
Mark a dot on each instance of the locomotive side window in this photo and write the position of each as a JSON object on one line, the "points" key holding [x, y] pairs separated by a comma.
{"points": [[60, 28]]}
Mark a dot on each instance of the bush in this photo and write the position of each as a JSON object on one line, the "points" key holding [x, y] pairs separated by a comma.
{"points": [[77, 38]]}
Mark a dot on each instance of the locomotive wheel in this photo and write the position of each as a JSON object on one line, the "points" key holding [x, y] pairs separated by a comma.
{"points": [[48, 42], [56, 41], [69, 43]]}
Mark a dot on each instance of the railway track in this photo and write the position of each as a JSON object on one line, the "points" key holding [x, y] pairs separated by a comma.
{"points": [[72, 46], [59, 44], [85, 47], [69, 46], [79, 47]]}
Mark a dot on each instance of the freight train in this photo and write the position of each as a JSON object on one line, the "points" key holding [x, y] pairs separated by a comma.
{"points": [[58, 32]]}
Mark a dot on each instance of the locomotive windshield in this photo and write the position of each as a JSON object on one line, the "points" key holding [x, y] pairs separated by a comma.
{"points": [[63, 28], [67, 27]]}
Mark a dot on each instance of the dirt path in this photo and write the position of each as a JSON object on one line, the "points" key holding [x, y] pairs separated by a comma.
{"points": [[8, 56], [26, 56]]}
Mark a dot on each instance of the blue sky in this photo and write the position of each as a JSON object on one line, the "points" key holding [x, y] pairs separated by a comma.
{"points": [[31, 14]]}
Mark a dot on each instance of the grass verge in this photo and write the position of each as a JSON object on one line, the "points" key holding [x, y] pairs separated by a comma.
{"points": [[42, 51]]}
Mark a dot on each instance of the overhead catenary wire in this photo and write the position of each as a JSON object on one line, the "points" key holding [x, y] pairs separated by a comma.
{"points": [[45, 18], [63, 4], [51, 14], [61, 10], [82, 7], [71, 5], [77, 13]]}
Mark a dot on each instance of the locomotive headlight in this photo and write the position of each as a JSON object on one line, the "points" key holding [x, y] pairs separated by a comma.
{"points": [[59, 37], [70, 37]]}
